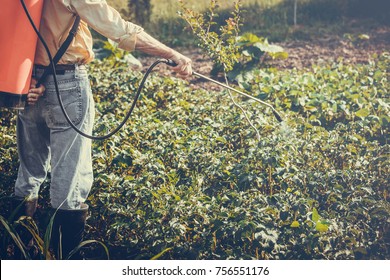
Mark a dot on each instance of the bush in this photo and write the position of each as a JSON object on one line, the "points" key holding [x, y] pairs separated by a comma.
{"points": [[187, 177]]}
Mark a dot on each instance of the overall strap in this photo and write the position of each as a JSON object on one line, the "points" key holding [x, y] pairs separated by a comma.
{"points": [[61, 51]]}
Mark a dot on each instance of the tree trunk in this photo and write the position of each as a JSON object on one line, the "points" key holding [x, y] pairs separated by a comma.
{"points": [[295, 12]]}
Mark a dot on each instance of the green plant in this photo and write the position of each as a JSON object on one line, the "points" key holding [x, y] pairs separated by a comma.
{"points": [[221, 46], [254, 50], [14, 229], [231, 53], [185, 179]]}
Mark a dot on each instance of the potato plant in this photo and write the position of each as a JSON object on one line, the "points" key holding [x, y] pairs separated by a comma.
{"points": [[187, 178]]}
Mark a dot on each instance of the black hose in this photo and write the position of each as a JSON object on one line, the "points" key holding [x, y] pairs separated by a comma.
{"points": [[139, 90]]}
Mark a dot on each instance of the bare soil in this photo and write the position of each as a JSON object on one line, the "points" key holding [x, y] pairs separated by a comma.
{"points": [[303, 54]]}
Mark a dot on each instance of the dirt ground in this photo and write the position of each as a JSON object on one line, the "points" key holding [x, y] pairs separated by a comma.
{"points": [[303, 54]]}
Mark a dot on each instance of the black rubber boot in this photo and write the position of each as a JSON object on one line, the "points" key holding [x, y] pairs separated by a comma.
{"points": [[68, 232], [23, 207]]}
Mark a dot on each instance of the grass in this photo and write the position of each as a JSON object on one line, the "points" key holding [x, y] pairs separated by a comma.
{"points": [[168, 9], [272, 19]]}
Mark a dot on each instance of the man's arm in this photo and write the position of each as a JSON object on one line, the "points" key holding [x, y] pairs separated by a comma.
{"points": [[147, 44], [108, 22]]}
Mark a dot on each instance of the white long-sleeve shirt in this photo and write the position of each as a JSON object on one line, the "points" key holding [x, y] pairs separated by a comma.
{"points": [[58, 17]]}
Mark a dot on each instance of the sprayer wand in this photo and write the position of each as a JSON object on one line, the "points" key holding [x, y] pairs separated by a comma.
{"points": [[276, 114]]}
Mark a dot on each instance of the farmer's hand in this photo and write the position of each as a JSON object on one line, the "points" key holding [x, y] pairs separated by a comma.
{"points": [[34, 93], [184, 64], [147, 44]]}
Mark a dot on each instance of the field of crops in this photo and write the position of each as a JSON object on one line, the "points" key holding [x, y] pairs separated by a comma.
{"points": [[194, 176], [189, 176], [188, 179]]}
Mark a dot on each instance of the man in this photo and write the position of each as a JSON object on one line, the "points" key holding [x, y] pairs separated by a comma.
{"points": [[46, 142]]}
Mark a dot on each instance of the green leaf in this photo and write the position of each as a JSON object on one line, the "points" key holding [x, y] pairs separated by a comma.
{"points": [[279, 55], [87, 242], [362, 113], [295, 224], [315, 216], [321, 227], [364, 37], [265, 47], [156, 257], [248, 39], [14, 236]]}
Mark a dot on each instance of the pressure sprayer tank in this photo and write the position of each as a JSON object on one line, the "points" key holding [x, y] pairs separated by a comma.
{"points": [[17, 50]]}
